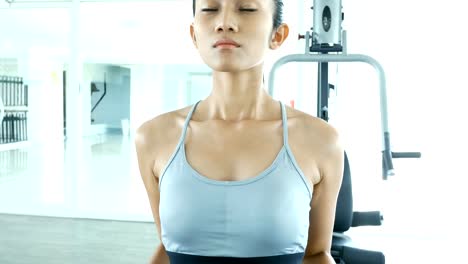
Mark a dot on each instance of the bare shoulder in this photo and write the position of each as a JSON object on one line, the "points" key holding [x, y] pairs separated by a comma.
{"points": [[311, 125], [157, 137], [316, 141], [160, 126]]}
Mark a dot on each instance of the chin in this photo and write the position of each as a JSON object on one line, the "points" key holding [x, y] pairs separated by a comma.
{"points": [[222, 65], [227, 70], [228, 66]]}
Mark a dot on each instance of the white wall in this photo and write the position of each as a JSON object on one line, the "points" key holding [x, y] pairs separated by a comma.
{"points": [[146, 100], [156, 89], [133, 32]]}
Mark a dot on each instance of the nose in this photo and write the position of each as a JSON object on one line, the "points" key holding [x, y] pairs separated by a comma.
{"points": [[226, 22]]}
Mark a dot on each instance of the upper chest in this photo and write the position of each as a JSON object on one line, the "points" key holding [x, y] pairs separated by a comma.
{"points": [[230, 152], [240, 151]]}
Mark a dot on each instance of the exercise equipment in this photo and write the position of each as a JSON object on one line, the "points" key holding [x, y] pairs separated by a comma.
{"points": [[327, 36]]}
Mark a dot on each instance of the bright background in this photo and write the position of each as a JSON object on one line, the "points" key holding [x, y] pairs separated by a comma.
{"points": [[151, 67]]}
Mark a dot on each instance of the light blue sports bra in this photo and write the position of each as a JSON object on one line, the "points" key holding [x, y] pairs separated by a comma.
{"points": [[264, 216]]}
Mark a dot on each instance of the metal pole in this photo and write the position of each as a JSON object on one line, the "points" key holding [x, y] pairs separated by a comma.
{"points": [[347, 58], [323, 91], [73, 98]]}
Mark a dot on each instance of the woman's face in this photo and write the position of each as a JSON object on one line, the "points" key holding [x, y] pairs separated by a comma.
{"points": [[247, 22]]}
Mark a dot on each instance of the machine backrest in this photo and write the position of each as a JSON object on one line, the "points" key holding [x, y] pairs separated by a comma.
{"points": [[344, 207]]}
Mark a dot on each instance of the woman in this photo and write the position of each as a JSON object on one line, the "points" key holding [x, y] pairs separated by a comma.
{"points": [[239, 177]]}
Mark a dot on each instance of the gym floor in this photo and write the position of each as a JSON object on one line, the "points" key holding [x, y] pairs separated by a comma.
{"points": [[84, 202], [52, 240]]}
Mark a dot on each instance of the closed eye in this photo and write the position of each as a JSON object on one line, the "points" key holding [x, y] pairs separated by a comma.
{"points": [[215, 9], [248, 9], [208, 9]]}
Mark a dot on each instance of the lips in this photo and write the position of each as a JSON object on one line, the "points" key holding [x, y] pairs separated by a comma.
{"points": [[226, 42]]}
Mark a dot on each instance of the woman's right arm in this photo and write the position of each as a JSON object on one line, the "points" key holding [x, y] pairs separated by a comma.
{"points": [[145, 148]]}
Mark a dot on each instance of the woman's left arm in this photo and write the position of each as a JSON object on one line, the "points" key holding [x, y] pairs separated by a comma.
{"points": [[323, 258], [324, 200]]}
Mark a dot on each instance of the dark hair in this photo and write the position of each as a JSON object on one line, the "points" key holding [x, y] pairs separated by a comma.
{"points": [[277, 14]]}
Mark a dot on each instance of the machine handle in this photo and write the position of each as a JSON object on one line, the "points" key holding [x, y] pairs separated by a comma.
{"points": [[406, 155], [372, 218], [356, 255]]}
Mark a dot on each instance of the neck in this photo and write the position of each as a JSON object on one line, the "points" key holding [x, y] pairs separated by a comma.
{"points": [[238, 96]]}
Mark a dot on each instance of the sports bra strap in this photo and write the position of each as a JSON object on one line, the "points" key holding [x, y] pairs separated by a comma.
{"points": [[187, 120], [284, 116]]}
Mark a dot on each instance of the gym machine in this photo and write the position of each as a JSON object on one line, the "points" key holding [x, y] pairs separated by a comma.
{"points": [[327, 36]]}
